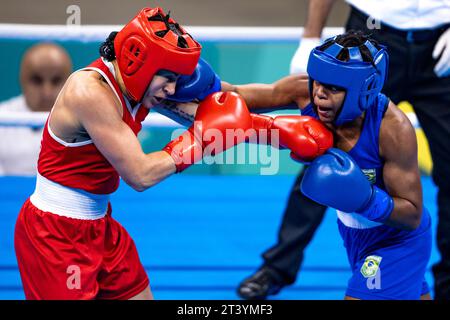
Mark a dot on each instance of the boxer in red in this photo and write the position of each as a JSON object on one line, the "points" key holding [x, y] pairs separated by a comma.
{"points": [[67, 244]]}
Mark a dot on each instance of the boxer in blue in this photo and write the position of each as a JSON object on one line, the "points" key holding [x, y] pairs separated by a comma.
{"points": [[371, 176]]}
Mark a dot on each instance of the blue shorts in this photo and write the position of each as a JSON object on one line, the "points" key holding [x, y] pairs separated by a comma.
{"points": [[388, 263]]}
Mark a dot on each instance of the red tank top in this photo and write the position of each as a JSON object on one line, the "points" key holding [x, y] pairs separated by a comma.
{"points": [[81, 165]]}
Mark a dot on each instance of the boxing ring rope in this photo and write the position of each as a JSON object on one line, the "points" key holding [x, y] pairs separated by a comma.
{"points": [[37, 120], [97, 33], [153, 120]]}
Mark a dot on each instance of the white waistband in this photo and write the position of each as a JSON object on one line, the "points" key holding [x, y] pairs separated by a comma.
{"points": [[52, 197], [356, 221]]}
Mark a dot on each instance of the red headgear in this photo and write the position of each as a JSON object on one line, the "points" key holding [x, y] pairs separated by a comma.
{"points": [[150, 42]]}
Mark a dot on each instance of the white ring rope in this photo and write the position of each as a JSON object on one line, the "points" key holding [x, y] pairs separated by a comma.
{"points": [[97, 33], [37, 120], [153, 120]]}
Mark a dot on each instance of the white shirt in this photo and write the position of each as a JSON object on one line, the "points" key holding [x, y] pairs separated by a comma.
{"points": [[19, 146], [406, 14]]}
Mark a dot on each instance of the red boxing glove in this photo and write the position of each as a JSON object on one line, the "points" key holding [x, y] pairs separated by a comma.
{"points": [[219, 116], [305, 136]]}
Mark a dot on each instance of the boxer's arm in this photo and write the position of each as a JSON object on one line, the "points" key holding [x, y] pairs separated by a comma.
{"points": [[181, 112], [290, 92], [398, 147], [99, 114]]}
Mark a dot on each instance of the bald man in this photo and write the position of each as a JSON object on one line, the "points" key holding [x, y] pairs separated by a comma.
{"points": [[43, 71]]}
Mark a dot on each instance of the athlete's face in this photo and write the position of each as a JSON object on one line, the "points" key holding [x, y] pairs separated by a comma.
{"points": [[158, 90], [328, 100]]}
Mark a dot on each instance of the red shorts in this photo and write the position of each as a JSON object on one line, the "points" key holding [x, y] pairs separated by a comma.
{"points": [[65, 258]]}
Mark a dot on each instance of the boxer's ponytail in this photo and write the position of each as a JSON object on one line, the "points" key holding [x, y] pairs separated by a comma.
{"points": [[106, 49]]}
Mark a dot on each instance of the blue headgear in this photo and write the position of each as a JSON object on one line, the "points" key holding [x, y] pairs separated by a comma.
{"points": [[363, 81]]}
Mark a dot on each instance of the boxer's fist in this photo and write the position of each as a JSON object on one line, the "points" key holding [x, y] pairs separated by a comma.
{"points": [[306, 137], [198, 85], [335, 180], [218, 113]]}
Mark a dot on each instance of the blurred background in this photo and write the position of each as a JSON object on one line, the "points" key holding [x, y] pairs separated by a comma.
{"points": [[189, 12], [200, 233]]}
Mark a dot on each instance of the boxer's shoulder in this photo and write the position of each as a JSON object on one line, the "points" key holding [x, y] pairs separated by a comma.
{"points": [[396, 132], [394, 116], [84, 94], [86, 88]]}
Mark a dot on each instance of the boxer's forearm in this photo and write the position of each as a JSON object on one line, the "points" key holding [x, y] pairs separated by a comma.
{"points": [[256, 95], [183, 113], [227, 86], [155, 167], [406, 215], [261, 97], [318, 11]]}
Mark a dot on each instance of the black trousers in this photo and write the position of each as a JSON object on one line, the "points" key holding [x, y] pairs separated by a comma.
{"points": [[410, 78]]}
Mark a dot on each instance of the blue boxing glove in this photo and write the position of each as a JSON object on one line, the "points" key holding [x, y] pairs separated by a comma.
{"points": [[198, 85], [335, 180]]}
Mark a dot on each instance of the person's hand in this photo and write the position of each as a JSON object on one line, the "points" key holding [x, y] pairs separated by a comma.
{"points": [[335, 180], [299, 61], [218, 114], [442, 49], [198, 85]]}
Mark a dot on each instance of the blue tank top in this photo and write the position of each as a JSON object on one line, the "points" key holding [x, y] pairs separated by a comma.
{"points": [[366, 150], [366, 154]]}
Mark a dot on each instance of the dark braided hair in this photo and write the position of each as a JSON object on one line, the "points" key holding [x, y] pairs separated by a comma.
{"points": [[352, 38], [107, 48]]}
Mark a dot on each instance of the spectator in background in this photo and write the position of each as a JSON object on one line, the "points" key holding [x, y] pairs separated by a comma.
{"points": [[43, 71], [417, 34]]}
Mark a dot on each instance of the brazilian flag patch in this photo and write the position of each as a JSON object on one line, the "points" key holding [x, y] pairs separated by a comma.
{"points": [[371, 175], [370, 266]]}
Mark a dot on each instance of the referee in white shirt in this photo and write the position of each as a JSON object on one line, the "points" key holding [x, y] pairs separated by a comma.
{"points": [[44, 69], [417, 34]]}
